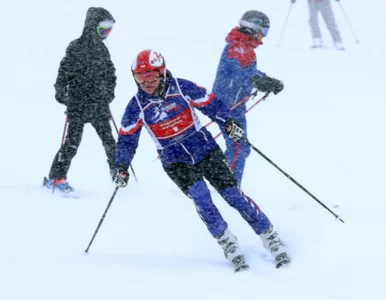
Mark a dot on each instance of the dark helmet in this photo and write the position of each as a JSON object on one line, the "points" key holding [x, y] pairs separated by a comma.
{"points": [[254, 21]]}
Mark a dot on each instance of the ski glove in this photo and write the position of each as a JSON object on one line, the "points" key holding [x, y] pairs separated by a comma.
{"points": [[61, 95], [234, 130], [121, 177], [293, 1], [267, 84], [63, 100]]}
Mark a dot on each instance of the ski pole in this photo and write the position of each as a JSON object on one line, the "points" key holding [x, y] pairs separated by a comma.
{"points": [[348, 22], [101, 220], [285, 25], [252, 106], [61, 144], [290, 178], [242, 101], [65, 128], [116, 128], [115, 125]]}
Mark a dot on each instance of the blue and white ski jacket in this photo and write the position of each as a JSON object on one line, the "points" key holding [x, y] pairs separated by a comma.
{"points": [[171, 122]]}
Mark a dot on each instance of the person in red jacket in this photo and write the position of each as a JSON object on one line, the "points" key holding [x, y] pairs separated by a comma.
{"points": [[237, 75]]}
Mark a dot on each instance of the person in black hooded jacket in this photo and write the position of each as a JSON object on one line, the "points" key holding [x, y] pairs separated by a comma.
{"points": [[85, 84]]}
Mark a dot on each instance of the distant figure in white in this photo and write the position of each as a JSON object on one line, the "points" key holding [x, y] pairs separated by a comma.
{"points": [[324, 6]]}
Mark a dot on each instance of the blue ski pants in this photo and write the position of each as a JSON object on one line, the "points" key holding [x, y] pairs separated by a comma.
{"points": [[214, 168]]}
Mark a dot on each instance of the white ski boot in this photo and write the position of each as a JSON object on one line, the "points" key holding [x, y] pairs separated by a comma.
{"points": [[339, 46], [317, 43], [275, 246], [229, 244]]}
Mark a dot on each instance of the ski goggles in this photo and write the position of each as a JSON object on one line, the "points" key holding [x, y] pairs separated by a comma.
{"points": [[255, 24], [104, 28], [149, 77], [264, 30]]}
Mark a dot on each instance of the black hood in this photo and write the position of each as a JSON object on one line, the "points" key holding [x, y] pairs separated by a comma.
{"points": [[94, 16]]}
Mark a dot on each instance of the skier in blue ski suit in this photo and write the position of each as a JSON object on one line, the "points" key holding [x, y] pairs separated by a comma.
{"points": [[165, 106], [234, 84]]}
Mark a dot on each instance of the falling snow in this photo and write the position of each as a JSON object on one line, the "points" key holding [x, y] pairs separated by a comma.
{"points": [[326, 129]]}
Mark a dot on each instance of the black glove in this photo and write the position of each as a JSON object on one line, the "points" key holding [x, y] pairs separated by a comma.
{"points": [[267, 84], [293, 1], [121, 177], [234, 130], [62, 100], [61, 95]]}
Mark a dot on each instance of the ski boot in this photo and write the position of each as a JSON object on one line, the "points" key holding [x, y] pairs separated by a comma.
{"points": [[229, 244], [58, 184], [317, 43], [339, 46], [275, 246]]}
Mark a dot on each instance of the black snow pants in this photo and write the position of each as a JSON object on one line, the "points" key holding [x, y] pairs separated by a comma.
{"points": [[67, 151], [214, 168]]}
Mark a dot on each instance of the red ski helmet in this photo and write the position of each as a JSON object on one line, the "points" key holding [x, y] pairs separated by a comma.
{"points": [[147, 61]]}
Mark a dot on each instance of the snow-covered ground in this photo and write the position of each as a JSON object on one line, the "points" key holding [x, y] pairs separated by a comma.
{"points": [[326, 129]]}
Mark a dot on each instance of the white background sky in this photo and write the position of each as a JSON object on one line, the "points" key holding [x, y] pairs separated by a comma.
{"points": [[326, 129]]}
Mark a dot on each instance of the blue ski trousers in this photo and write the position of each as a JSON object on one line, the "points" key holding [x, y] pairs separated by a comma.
{"points": [[215, 168]]}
